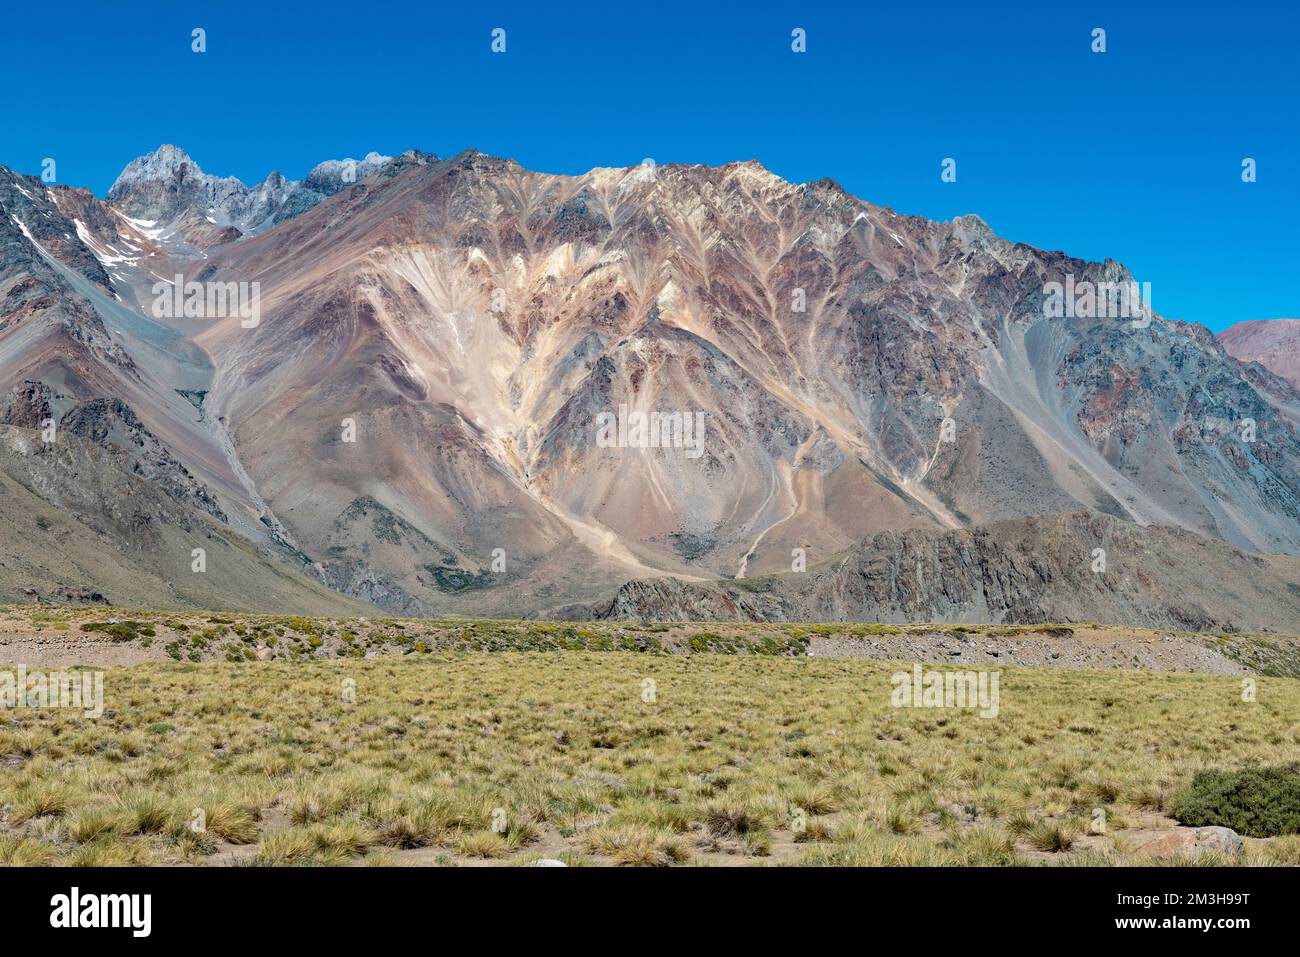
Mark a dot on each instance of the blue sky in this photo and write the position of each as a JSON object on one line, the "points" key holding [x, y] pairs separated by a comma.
{"points": [[1134, 154]]}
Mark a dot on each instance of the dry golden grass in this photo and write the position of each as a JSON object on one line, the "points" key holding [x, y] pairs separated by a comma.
{"points": [[507, 757]]}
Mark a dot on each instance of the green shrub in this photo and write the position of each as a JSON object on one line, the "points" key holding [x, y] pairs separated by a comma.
{"points": [[121, 630], [1257, 802]]}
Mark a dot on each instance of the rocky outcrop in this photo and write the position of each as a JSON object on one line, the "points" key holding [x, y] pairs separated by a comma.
{"points": [[112, 424], [64, 595], [1076, 567], [667, 599], [29, 406]]}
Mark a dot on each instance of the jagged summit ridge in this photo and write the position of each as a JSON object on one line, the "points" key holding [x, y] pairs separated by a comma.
{"points": [[167, 185]]}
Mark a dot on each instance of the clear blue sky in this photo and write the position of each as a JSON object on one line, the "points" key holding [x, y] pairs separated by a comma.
{"points": [[1134, 154]]}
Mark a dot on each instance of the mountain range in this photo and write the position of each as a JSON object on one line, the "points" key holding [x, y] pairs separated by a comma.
{"points": [[457, 386]]}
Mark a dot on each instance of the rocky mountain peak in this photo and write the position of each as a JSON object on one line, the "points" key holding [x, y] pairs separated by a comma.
{"points": [[169, 188], [163, 163], [332, 176]]}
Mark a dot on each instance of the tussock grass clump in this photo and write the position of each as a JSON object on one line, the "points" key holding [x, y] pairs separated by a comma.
{"points": [[1285, 851], [901, 822], [486, 844], [1150, 798], [112, 851], [344, 837], [40, 799], [146, 813], [284, 847], [727, 818], [16, 851], [401, 825], [656, 814], [231, 823], [983, 847], [813, 798], [638, 846], [1048, 836], [94, 823]]}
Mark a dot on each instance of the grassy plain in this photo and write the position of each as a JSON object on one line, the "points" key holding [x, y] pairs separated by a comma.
{"points": [[619, 757]]}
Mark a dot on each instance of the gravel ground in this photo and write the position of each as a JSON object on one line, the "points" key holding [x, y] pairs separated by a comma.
{"points": [[53, 638], [56, 651], [1063, 650]]}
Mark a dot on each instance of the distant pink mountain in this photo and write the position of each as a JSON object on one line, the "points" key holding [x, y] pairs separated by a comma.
{"points": [[1273, 343]]}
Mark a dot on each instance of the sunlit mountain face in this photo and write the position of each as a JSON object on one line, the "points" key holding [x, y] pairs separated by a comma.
{"points": [[462, 386]]}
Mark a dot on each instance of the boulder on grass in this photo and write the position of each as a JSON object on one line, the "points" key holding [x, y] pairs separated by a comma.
{"points": [[1193, 842]]}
